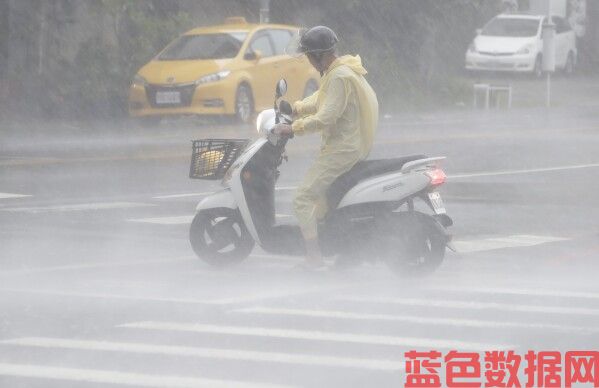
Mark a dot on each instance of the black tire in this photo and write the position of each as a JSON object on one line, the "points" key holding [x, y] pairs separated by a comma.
{"points": [[570, 64], [310, 88], [537, 71], [244, 104], [219, 237], [413, 244]]}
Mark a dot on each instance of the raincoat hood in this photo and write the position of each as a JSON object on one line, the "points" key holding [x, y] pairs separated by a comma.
{"points": [[353, 62]]}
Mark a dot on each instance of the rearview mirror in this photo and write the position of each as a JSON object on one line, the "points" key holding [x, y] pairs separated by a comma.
{"points": [[254, 55], [281, 87]]}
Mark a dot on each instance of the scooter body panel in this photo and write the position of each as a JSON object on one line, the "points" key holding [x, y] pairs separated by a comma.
{"points": [[237, 189], [220, 199], [385, 188]]}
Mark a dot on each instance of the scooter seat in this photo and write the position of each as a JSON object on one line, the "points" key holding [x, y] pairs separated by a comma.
{"points": [[364, 170]]}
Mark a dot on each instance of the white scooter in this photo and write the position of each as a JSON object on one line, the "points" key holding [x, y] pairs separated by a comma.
{"points": [[372, 206]]}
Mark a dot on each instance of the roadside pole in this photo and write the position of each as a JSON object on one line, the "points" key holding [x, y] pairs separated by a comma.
{"points": [[548, 51], [264, 11]]}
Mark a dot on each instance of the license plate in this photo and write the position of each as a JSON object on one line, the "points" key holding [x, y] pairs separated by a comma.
{"points": [[437, 202], [168, 98]]}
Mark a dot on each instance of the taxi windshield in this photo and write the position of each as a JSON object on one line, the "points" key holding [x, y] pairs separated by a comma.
{"points": [[204, 46], [519, 28]]}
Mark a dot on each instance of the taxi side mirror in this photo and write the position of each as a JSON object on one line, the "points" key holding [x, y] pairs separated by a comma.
{"points": [[254, 55]]}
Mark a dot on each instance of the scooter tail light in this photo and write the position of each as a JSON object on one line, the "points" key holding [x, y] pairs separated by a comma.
{"points": [[437, 176]]}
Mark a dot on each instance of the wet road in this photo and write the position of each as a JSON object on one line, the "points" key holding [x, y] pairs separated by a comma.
{"points": [[99, 284]]}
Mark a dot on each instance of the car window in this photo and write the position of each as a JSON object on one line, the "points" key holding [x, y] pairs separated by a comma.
{"points": [[204, 46], [280, 39], [561, 25], [511, 27], [262, 43]]}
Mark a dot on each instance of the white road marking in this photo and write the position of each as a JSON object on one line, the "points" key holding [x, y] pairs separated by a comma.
{"points": [[522, 292], [455, 304], [178, 220], [113, 377], [487, 244], [347, 315], [428, 343], [78, 207], [222, 301], [211, 353], [184, 195], [25, 271], [526, 171], [11, 195]]}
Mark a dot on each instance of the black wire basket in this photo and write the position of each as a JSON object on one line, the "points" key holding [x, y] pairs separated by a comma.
{"points": [[211, 158]]}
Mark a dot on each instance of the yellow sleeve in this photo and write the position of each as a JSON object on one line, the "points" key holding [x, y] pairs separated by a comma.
{"points": [[332, 108], [307, 106]]}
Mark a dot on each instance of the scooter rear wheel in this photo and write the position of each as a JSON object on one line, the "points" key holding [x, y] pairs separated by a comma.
{"points": [[415, 246], [219, 237]]}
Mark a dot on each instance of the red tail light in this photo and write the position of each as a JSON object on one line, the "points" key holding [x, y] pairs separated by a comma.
{"points": [[437, 177]]}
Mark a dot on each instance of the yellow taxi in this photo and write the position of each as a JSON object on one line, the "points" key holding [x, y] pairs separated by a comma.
{"points": [[229, 69]]}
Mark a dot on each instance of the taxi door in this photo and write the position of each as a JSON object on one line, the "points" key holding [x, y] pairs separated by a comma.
{"points": [[263, 70]]}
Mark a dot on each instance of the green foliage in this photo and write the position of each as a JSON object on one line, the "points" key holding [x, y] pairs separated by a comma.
{"points": [[105, 69]]}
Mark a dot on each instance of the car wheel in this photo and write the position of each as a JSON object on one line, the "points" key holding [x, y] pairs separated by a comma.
{"points": [[538, 69], [569, 67], [310, 88], [244, 104]]}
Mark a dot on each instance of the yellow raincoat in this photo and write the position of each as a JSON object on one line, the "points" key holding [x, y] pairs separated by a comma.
{"points": [[345, 111]]}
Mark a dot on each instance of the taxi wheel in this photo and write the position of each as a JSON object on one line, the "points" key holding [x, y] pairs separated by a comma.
{"points": [[310, 88], [244, 104]]}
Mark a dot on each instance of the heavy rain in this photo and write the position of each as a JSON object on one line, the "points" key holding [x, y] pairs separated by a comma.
{"points": [[171, 215]]}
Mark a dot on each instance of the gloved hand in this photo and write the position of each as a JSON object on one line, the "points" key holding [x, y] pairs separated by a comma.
{"points": [[282, 129]]}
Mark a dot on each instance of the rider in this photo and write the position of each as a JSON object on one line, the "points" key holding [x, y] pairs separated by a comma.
{"points": [[345, 111]]}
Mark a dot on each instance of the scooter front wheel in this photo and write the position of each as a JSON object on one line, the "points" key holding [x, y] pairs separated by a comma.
{"points": [[219, 237]]}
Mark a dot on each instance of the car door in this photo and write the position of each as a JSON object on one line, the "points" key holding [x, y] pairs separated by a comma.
{"points": [[262, 70], [561, 41], [286, 66]]}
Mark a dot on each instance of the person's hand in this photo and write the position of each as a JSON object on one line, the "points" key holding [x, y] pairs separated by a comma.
{"points": [[282, 129]]}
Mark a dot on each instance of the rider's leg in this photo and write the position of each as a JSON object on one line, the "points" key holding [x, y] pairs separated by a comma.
{"points": [[310, 203]]}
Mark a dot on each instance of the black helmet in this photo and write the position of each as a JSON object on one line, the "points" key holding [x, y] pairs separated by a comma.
{"points": [[317, 39]]}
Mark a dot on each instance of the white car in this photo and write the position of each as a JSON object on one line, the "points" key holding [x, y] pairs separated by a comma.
{"points": [[514, 43]]}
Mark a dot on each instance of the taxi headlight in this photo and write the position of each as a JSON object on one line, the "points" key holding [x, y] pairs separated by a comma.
{"points": [[138, 80], [213, 77], [525, 50]]}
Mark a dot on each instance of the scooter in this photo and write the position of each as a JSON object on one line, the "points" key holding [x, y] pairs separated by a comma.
{"points": [[372, 207]]}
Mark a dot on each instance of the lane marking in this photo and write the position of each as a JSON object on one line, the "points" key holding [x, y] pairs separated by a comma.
{"points": [[346, 315], [179, 220], [455, 176], [211, 353], [114, 377], [11, 195], [184, 195], [487, 244], [78, 207], [526, 171], [222, 301], [522, 292], [428, 343], [454, 304], [25, 271]]}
